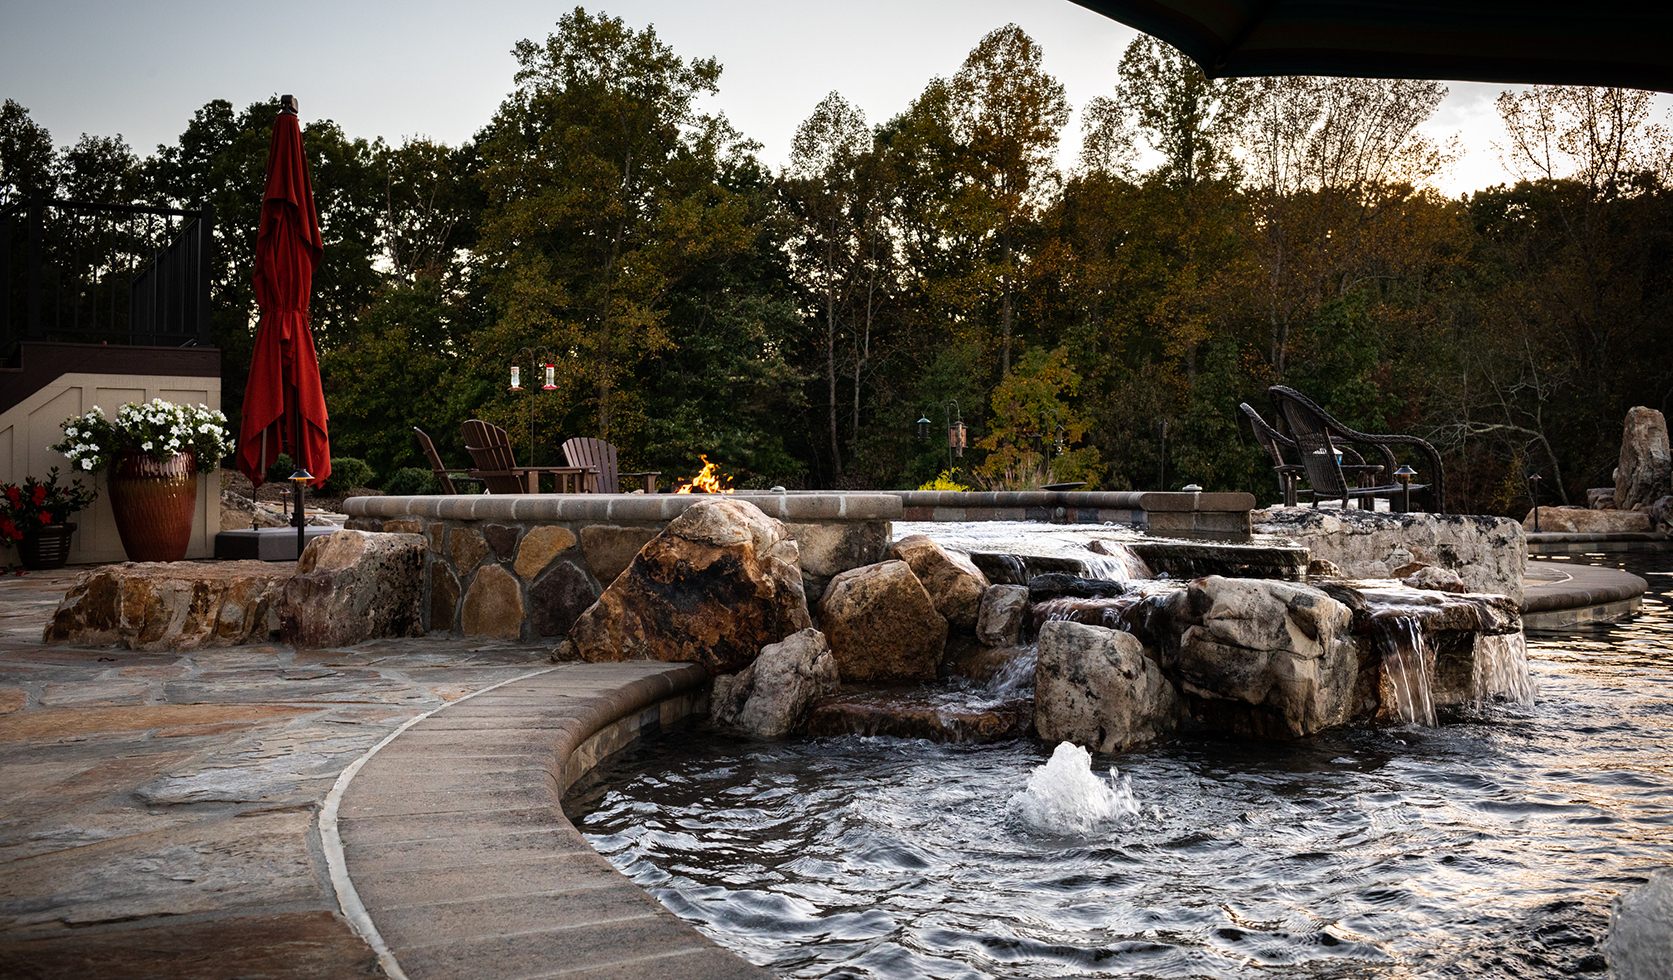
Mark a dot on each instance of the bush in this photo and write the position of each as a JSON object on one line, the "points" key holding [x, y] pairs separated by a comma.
{"points": [[346, 474], [281, 470], [411, 481]]}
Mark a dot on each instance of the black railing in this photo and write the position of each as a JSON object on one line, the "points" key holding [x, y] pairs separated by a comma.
{"points": [[118, 273]]}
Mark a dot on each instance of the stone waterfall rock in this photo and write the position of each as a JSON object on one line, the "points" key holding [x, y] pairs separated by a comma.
{"points": [[1574, 520], [1600, 498], [1645, 472], [354, 586], [720, 582], [1489, 553], [1097, 688], [882, 625], [172, 605], [1265, 658], [1661, 514], [952, 581], [1004, 610], [773, 696]]}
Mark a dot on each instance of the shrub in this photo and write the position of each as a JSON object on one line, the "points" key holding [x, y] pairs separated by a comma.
{"points": [[346, 474], [281, 470], [410, 481]]}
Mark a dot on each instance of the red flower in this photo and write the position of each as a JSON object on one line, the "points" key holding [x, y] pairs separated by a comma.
{"points": [[14, 495], [46, 518], [40, 495]]}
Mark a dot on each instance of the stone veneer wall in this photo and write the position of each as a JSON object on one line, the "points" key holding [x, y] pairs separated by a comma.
{"points": [[524, 567]]}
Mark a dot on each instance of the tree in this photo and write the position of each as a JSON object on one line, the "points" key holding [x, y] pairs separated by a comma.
{"points": [[1007, 112], [821, 178], [26, 158], [1185, 116], [601, 191]]}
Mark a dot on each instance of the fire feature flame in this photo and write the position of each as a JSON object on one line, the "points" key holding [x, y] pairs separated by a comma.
{"points": [[710, 480]]}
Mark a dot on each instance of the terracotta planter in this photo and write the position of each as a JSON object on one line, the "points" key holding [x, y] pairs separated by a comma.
{"points": [[47, 547], [154, 503]]}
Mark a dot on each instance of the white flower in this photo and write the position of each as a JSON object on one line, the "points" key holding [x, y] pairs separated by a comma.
{"points": [[86, 464], [146, 445], [72, 432]]}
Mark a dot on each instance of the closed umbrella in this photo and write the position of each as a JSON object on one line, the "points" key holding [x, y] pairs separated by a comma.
{"points": [[1626, 43], [284, 404]]}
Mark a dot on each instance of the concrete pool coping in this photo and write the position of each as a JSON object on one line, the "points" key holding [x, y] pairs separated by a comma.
{"points": [[452, 855], [1558, 594]]}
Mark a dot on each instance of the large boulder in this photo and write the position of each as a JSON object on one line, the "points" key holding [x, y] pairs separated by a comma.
{"points": [[882, 624], [1265, 658], [1000, 618], [720, 582], [1574, 520], [1661, 514], [354, 586], [772, 696], [954, 584], [1645, 471], [172, 605], [1488, 553], [1096, 687]]}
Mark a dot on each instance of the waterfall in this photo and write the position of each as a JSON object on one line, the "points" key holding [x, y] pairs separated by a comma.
{"points": [[1408, 664], [1114, 562], [1501, 669]]}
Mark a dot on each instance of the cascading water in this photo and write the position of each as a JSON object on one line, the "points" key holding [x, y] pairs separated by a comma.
{"points": [[1409, 666], [1501, 669]]}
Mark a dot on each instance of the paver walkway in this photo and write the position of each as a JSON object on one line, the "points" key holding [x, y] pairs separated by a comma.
{"points": [[158, 810]]}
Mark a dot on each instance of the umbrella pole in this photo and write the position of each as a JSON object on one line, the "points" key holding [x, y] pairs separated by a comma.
{"points": [[301, 466], [261, 461]]}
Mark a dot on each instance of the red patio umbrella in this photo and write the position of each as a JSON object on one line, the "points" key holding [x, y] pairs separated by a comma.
{"points": [[284, 404]]}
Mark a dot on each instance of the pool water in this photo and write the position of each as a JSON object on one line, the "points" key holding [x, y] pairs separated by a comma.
{"points": [[1488, 846]]}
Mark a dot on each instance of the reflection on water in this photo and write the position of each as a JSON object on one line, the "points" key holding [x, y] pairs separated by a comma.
{"points": [[1488, 847]]}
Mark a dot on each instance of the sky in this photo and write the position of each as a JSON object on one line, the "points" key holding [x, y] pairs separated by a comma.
{"points": [[140, 68]]}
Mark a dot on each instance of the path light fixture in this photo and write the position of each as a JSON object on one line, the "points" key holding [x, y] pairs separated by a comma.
{"points": [[1533, 494], [1191, 488], [1404, 474], [299, 479], [539, 358]]}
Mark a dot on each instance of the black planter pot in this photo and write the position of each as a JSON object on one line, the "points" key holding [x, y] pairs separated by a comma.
{"points": [[48, 547]]}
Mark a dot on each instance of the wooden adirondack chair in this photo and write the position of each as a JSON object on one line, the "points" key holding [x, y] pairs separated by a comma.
{"points": [[490, 450], [600, 455], [1318, 435], [443, 474]]}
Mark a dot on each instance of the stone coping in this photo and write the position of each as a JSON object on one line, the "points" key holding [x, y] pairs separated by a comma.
{"points": [[1151, 501], [792, 507], [1560, 594], [630, 508], [1577, 542], [457, 859]]}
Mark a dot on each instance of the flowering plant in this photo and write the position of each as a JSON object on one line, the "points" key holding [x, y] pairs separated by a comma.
{"points": [[158, 429], [35, 505]]}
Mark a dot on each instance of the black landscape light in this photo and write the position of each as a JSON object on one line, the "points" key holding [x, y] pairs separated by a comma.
{"points": [[1404, 474], [299, 479], [1533, 494]]}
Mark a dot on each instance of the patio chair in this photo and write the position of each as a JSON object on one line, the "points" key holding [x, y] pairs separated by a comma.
{"points": [[490, 450], [1318, 435], [1282, 448], [600, 455], [443, 474]]}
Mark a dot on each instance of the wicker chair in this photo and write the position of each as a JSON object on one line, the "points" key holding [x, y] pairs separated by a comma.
{"points": [[1317, 437], [1282, 448]]}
